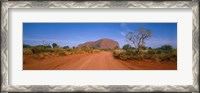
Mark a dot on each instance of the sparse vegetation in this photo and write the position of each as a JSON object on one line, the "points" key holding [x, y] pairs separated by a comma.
{"points": [[46, 51], [128, 52], [59, 51], [99, 46], [159, 54]]}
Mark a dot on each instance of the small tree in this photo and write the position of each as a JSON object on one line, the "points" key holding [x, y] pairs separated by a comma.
{"points": [[74, 47], [138, 38], [46, 44], [26, 46], [66, 47], [149, 48], [127, 46], [166, 47], [55, 45]]}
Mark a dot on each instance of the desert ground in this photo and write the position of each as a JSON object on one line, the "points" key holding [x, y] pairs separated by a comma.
{"points": [[103, 60]]}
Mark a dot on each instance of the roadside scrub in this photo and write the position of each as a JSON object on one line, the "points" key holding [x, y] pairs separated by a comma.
{"points": [[157, 55], [42, 52]]}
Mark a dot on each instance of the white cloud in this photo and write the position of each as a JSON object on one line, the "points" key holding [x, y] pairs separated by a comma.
{"points": [[122, 33], [124, 26]]}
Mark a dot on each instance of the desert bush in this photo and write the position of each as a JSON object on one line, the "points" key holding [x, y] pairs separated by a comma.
{"points": [[86, 49], [150, 54], [27, 51], [38, 49], [164, 56], [96, 51], [118, 53], [128, 54], [158, 51], [48, 50], [59, 51], [62, 54], [106, 49], [69, 49], [131, 52], [75, 51], [151, 51], [156, 58], [174, 56]]}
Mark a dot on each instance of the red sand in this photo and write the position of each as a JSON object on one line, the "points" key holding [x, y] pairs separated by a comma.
{"points": [[93, 61]]}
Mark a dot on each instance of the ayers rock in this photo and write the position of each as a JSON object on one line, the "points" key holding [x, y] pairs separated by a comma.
{"points": [[101, 43]]}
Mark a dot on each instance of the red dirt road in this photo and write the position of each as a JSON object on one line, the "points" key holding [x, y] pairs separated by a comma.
{"points": [[93, 61]]}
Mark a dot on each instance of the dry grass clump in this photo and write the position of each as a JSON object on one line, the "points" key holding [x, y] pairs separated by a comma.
{"points": [[40, 49], [119, 53], [59, 51], [96, 51], [27, 51], [86, 49]]}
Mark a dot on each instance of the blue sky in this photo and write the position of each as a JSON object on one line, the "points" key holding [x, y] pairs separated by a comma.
{"points": [[73, 34]]}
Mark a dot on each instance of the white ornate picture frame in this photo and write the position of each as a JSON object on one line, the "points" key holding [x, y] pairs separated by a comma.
{"points": [[6, 5]]}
